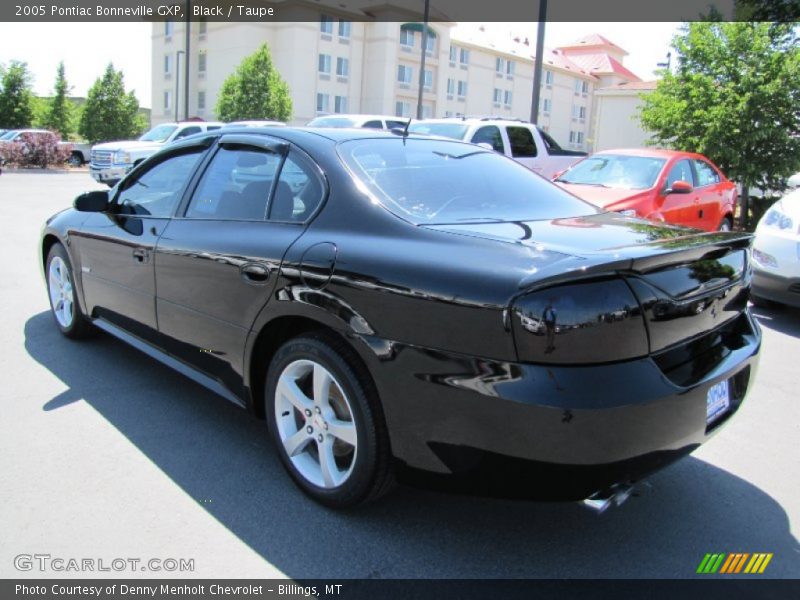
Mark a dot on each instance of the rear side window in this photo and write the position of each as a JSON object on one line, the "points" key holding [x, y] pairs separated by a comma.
{"points": [[396, 124], [521, 140], [236, 185], [373, 125], [489, 135], [299, 191], [188, 131], [706, 175]]}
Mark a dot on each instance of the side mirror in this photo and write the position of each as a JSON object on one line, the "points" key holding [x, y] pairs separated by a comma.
{"points": [[680, 187], [96, 201]]}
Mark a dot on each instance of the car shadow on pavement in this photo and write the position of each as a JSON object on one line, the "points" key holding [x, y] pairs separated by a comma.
{"points": [[220, 456], [778, 317]]}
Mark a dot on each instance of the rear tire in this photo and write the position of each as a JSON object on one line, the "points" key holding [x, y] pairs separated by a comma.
{"points": [[326, 421], [61, 291]]}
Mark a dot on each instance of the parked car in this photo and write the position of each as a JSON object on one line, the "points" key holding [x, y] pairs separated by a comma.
{"points": [[776, 253], [111, 160], [661, 185], [358, 121], [416, 306], [525, 143], [79, 153]]}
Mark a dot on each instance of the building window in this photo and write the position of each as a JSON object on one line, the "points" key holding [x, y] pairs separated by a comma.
{"points": [[507, 97], [498, 96], [428, 80], [451, 86], [585, 87], [430, 44], [510, 68], [572, 136], [323, 103], [578, 83], [402, 109], [547, 105], [326, 25], [324, 64], [448, 113], [407, 38], [340, 104], [168, 28], [579, 137], [548, 77], [167, 64], [453, 54], [201, 100], [427, 111], [202, 27], [464, 56], [582, 112], [201, 62], [499, 65], [462, 89], [344, 28], [342, 67], [405, 74], [167, 100]]}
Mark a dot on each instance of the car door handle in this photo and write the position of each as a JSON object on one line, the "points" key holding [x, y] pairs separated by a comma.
{"points": [[254, 273], [141, 255]]}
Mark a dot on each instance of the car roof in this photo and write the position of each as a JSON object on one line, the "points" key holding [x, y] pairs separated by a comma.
{"points": [[475, 121], [652, 153], [333, 134]]}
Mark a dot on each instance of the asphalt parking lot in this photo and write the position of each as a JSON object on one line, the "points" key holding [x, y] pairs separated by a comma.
{"points": [[108, 454]]}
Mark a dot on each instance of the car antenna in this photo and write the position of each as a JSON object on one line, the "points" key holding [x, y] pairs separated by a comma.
{"points": [[405, 129]]}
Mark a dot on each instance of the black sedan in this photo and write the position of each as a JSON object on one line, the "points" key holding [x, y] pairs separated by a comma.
{"points": [[402, 307]]}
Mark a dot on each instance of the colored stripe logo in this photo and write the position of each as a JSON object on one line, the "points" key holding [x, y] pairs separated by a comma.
{"points": [[734, 562]]}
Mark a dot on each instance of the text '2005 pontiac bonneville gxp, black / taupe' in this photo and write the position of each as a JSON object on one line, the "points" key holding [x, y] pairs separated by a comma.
{"points": [[402, 307]]}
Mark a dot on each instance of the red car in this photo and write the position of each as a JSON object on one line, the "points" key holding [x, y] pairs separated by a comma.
{"points": [[662, 185]]}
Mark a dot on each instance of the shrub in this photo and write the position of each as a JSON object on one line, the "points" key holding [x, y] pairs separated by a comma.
{"points": [[35, 150]]}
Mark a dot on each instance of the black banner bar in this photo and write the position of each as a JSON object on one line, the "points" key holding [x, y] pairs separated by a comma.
{"points": [[396, 10]]}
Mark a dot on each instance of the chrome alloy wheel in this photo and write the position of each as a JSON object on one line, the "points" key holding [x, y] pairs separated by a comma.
{"points": [[315, 424], [61, 296]]}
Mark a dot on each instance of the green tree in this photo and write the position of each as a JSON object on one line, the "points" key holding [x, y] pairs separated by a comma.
{"points": [[59, 113], [110, 113], [16, 105], [734, 97], [255, 91]]}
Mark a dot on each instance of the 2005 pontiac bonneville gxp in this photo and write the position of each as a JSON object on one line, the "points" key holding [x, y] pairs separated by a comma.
{"points": [[403, 307]]}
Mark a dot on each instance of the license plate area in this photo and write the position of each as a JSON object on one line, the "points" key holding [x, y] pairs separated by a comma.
{"points": [[718, 401]]}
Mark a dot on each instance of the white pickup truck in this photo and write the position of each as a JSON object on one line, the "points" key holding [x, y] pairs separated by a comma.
{"points": [[520, 140], [111, 160]]}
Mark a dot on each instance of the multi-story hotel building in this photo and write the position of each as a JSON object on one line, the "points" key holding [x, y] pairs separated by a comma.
{"points": [[335, 65]]}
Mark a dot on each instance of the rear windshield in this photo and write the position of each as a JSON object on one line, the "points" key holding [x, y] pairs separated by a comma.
{"points": [[615, 171], [457, 131], [332, 122], [429, 181]]}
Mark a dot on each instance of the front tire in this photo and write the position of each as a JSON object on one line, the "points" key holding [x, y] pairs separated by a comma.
{"points": [[61, 292], [326, 422]]}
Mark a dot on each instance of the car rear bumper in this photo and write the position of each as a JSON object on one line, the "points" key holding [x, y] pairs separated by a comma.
{"points": [[552, 432]]}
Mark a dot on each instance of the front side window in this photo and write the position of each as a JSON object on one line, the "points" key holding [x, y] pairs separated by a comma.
{"points": [[429, 181], [489, 134], [521, 140], [187, 131], [157, 191], [682, 171], [236, 185]]}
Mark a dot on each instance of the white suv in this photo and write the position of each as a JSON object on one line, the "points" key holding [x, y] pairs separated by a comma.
{"points": [[520, 140]]}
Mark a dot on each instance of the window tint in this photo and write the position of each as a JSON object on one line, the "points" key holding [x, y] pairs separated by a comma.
{"points": [[157, 191], [682, 171], [706, 175], [437, 181], [489, 135], [298, 193], [521, 140], [187, 132], [373, 125], [394, 124], [236, 185]]}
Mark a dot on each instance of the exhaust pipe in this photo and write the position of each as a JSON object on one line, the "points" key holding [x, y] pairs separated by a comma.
{"points": [[602, 500]]}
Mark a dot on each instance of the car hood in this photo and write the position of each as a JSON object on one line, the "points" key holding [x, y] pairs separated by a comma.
{"points": [[127, 146], [605, 240], [601, 196]]}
